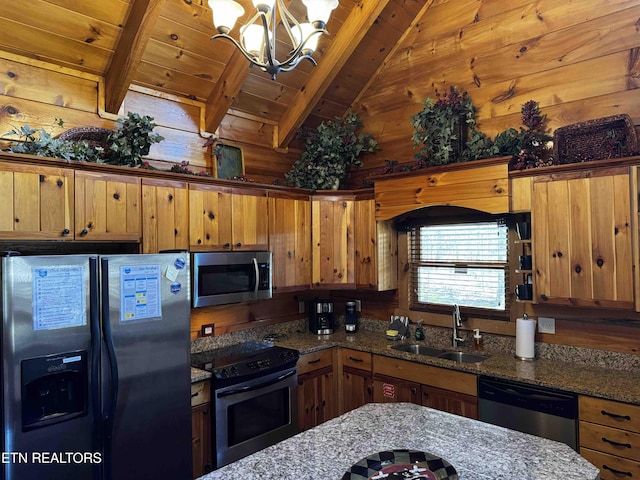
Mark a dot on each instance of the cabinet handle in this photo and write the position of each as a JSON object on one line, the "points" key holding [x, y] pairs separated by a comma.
{"points": [[616, 444], [84, 232], [116, 196], [65, 232], [414, 390], [211, 216], [238, 244], [600, 262], [194, 395], [617, 472], [311, 362], [59, 183], [615, 415], [357, 360], [227, 245]]}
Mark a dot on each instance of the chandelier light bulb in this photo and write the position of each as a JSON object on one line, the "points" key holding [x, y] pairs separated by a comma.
{"points": [[302, 33], [319, 11], [253, 39], [225, 14]]}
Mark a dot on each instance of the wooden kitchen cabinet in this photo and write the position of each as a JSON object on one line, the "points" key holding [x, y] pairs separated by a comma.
{"points": [[332, 241], [582, 238], [610, 436], [107, 207], [165, 212], [290, 241], [38, 202], [201, 439], [317, 389], [224, 219], [440, 388], [376, 248], [449, 401], [356, 380]]}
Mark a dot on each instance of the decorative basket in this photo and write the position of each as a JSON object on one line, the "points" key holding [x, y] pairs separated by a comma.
{"points": [[599, 139], [95, 136]]}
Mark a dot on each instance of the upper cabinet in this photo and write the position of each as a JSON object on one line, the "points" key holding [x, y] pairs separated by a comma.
{"points": [[38, 202], [165, 211], [107, 207], [376, 248], [582, 238], [290, 240], [225, 219], [332, 241]]}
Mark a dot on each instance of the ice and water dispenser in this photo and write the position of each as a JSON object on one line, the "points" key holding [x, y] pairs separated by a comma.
{"points": [[54, 389]]}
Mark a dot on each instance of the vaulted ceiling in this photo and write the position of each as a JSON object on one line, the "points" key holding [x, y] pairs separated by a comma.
{"points": [[165, 45]]}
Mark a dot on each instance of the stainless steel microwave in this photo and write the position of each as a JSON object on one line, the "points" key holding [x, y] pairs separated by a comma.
{"points": [[230, 277]]}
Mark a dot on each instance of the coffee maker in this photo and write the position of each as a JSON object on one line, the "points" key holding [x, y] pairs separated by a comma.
{"points": [[321, 318]]}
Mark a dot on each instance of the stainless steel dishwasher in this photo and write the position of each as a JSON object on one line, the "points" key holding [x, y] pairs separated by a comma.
{"points": [[530, 409]]}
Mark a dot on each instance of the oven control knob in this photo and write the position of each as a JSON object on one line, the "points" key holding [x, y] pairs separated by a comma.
{"points": [[234, 371], [224, 373]]}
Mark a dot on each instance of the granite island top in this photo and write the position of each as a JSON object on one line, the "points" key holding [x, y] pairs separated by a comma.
{"points": [[579, 376], [477, 450]]}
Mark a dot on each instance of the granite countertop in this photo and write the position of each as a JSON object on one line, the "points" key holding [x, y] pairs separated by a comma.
{"points": [[477, 450], [580, 377]]}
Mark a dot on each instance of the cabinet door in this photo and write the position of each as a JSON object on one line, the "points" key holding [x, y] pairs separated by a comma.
{"points": [[448, 401], [165, 212], [107, 207], [209, 217], [376, 249], [317, 401], [582, 240], [290, 242], [250, 220], [391, 390], [201, 439], [357, 388], [37, 202], [333, 264]]}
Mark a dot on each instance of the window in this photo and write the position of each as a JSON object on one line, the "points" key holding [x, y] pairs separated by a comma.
{"points": [[459, 263]]}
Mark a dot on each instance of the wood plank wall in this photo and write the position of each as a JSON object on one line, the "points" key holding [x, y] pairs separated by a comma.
{"points": [[37, 94], [578, 59]]}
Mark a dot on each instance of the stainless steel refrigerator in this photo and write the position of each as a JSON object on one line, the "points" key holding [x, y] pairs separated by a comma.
{"points": [[95, 367]]}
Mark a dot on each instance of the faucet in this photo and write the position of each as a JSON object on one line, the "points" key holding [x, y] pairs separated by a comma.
{"points": [[456, 320]]}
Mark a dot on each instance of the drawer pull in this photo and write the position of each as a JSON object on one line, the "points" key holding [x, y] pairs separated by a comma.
{"points": [[311, 362], [617, 472], [357, 360], [616, 444], [614, 415], [194, 395]]}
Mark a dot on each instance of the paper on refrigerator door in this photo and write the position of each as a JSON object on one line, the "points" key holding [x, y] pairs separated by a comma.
{"points": [[58, 297], [140, 292]]}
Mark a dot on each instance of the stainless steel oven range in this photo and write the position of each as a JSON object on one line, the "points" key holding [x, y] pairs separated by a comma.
{"points": [[253, 395]]}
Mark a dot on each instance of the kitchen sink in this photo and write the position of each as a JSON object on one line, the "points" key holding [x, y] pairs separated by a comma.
{"points": [[419, 349], [460, 357], [463, 357]]}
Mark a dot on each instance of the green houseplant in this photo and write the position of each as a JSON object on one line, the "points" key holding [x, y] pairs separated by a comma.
{"points": [[330, 151]]}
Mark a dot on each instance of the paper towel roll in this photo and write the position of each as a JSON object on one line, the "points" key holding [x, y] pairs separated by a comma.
{"points": [[525, 338]]}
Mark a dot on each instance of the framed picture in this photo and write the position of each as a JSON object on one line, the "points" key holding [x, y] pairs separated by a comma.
{"points": [[228, 161]]}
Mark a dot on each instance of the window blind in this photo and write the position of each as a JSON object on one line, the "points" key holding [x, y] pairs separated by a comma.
{"points": [[460, 263]]}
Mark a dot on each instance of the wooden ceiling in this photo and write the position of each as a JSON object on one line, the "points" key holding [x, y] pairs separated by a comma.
{"points": [[165, 45]]}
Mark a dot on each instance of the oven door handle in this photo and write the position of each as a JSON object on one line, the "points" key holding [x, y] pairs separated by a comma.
{"points": [[250, 388]]}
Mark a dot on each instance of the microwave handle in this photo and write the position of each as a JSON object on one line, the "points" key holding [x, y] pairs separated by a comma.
{"points": [[255, 266]]}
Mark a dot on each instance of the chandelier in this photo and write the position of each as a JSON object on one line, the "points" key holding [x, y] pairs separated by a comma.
{"points": [[258, 37]]}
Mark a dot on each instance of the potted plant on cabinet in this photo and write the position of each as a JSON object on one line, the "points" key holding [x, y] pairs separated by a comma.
{"points": [[330, 151]]}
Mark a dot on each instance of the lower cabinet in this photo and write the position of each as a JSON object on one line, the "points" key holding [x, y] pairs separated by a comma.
{"points": [[610, 437], [356, 379], [201, 428], [317, 389], [396, 380]]}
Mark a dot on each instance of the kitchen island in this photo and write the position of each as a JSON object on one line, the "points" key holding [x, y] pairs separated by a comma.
{"points": [[477, 450]]}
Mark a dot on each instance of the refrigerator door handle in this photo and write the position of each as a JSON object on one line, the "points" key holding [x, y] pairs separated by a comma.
{"points": [[94, 320], [111, 402]]}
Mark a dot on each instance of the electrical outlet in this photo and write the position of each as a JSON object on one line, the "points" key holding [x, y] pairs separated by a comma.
{"points": [[207, 330], [358, 305], [300, 307], [546, 325]]}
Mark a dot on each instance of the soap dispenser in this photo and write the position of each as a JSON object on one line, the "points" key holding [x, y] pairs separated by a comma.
{"points": [[477, 339], [420, 331]]}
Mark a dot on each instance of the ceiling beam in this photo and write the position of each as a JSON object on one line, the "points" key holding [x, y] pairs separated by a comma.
{"points": [[353, 30], [225, 90], [128, 53]]}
